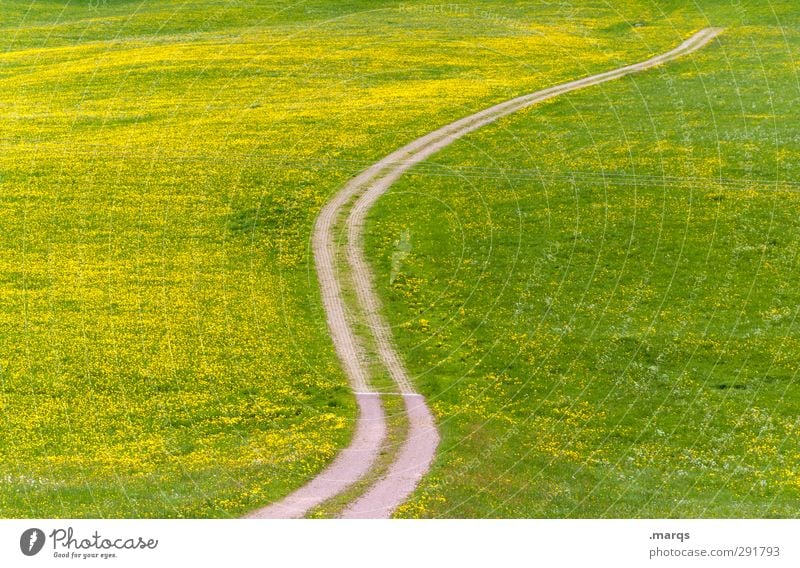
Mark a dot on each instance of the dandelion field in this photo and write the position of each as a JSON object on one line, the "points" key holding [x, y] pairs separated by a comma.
{"points": [[622, 345]]}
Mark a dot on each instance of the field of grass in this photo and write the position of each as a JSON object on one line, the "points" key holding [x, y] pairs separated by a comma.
{"points": [[163, 351], [591, 346], [599, 295]]}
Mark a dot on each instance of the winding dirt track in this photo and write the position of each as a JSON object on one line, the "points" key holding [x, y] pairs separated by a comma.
{"points": [[418, 450]]}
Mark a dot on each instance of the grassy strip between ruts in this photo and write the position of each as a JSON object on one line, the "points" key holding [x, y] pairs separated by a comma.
{"points": [[379, 381]]}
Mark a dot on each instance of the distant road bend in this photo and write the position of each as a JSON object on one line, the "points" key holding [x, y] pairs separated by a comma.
{"points": [[354, 200]]}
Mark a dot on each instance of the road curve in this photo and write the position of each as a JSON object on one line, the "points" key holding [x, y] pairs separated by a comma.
{"points": [[418, 450]]}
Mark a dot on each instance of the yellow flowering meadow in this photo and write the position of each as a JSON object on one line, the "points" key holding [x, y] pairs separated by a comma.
{"points": [[163, 351]]}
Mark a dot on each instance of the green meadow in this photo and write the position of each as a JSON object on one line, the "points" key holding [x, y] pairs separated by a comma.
{"points": [[599, 296], [596, 295]]}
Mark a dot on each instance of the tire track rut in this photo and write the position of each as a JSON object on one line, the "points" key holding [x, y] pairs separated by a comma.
{"points": [[416, 455]]}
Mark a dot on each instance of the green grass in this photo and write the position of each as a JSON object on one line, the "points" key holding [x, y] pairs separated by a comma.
{"points": [[163, 350], [607, 283]]}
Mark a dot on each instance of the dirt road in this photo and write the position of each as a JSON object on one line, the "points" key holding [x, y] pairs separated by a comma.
{"points": [[354, 200]]}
